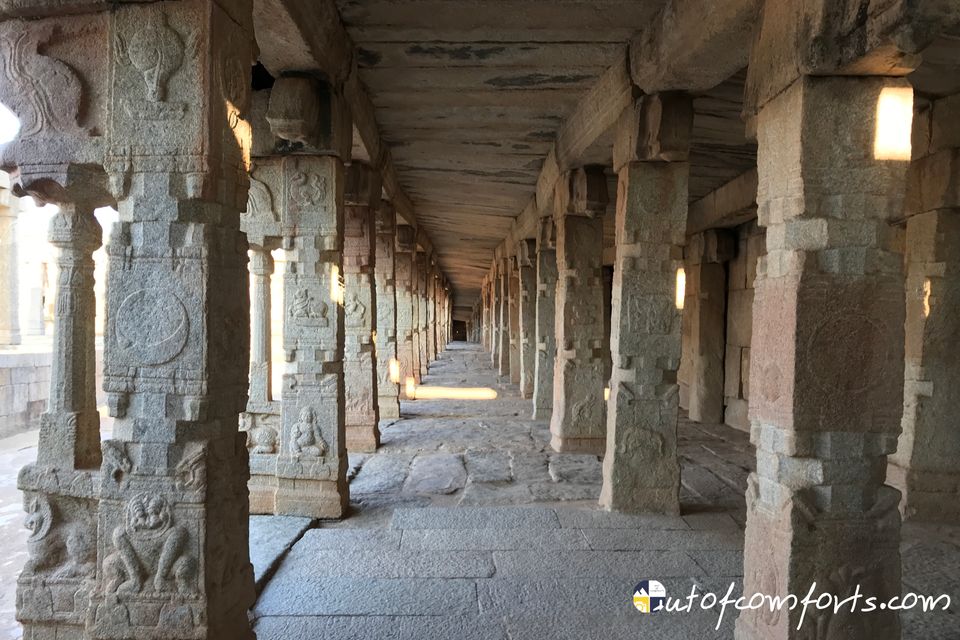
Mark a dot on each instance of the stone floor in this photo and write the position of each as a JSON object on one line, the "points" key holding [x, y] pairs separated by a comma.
{"points": [[465, 525]]}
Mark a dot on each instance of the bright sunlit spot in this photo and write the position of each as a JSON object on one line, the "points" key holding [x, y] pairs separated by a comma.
{"points": [[681, 287], [241, 131], [393, 367], [9, 125], [894, 124], [606, 393], [455, 393], [336, 285], [927, 286], [410, 388]]}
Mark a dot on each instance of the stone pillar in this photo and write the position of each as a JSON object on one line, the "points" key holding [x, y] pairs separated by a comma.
{"points": [[312, 461], [155, 543], [546, 346], [706, 280], [484, 314], [641, 471], [926, 466], [388, 388], [9, 276], [577, 421], [513, 307], [496, 294], [527, 257], [261, 421], [406, 317], [360, 308], [431, 302], [422, 260], [826, 358], [504, 274]]}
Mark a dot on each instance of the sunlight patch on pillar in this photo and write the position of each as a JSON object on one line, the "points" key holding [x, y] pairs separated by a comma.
{"points": [[894, 124]]}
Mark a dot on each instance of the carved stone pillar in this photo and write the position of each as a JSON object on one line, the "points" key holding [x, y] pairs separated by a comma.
{"points": [[826, 357], [261, 367], [9, 276], [926, 465], [422, 262], [360, 309], [546, 346], [504, 274], [527, 273], [577, 421], [706, 281], [388, 389], [406, 303], [513, 308], [641, 471], [431, 304], [496, 295], [484, 309]]}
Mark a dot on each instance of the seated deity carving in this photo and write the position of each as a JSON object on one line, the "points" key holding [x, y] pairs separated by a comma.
{"points": [[304, 306], [307, 440], [150, 550]]}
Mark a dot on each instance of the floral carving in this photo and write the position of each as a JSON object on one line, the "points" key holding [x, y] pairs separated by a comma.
{"points": [[156, 51]]}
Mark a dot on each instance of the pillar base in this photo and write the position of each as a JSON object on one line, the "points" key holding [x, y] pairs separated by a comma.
{"points": [[263, 491], [664, 501], [389, 407], [363, 438], [312, 498], [595, 446], [542, 413]]}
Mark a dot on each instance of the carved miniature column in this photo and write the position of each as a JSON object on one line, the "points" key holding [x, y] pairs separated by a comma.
{"points": [[926, 465], [527, 273], [504, 274], [9, 277], [261, 421], [546, 346], [388, 372], [513, 306], [406, 344], [827, 355], [706, 278], [577, 423], [360, 308], [641, 471]]}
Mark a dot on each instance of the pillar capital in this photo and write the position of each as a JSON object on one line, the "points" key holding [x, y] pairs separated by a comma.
{"points": [[713, 246], [654, 127], [406, 238], [526, 252], [362, 185], [582, 192], [309, 115]]}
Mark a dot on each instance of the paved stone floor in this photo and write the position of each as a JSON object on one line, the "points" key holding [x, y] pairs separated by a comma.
{"points": [[465, 525]]}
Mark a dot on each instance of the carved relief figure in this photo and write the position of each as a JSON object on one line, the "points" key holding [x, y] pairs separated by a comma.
{"points": [[309, 189], [262, 438], [149, 550], [260, 201], [43, 91], [68, 547], [304, 306], [156, 50], [307, 440], [356, 311]]}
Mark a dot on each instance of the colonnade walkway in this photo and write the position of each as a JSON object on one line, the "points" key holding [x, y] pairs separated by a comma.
{"points": [[466, 525]]}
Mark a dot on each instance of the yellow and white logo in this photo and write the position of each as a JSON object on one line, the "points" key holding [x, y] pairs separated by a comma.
{"points": [[649, 597]]}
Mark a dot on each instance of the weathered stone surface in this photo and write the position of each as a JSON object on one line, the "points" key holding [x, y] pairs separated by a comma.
{"points": [[493, 539], [475, 518], [487, 466], [436, 473], [546, 320], [305, 563], [270, 539], [381, 474]]}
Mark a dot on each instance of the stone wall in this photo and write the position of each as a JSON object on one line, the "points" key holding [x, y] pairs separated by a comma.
{"points": [[25, 389], [741, 271]]}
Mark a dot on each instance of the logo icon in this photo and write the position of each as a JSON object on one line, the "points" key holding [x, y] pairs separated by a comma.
{"points": [[649, 597]]}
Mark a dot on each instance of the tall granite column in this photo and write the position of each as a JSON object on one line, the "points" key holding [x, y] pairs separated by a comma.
{"points": [[484, 312], [706, 276], [388, 389], [496, 296], [577, 423], [641, 471], [311, 466], [422, 277], [926, 465], [546, 346], [406, 303], [504, 275], [360, 308], [527, 273], [431, 301], [513, 307], [826, 358], [9, 276]]}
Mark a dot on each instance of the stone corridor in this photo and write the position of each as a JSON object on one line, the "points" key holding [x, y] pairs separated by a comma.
{"points": [[466, 525]]}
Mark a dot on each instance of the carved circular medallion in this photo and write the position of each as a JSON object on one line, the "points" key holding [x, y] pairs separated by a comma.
{"points": [[152, 326], [844, 352]]}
